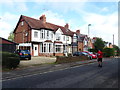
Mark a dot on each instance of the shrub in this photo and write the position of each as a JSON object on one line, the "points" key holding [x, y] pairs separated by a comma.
{"points": [[10, 60], [108, 52], [69, 55], [92, 50]]}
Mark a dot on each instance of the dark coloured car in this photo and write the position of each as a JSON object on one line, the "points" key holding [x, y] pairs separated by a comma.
{"points": [[23, 54], [77, 54]]}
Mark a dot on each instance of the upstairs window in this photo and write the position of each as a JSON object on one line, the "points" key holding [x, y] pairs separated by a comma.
{"points": [[51, 35], [22, 23], [67, 38], [47, 34], [58, 37], [35, 34], [64, 38]]}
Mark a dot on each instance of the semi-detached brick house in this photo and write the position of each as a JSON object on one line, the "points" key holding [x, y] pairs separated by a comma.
{"points": [[81, 42], [42, 38]]}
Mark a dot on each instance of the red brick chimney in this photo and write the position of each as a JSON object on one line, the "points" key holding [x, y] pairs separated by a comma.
{"points": [[43, 18], [78, 31], [66, 26]]}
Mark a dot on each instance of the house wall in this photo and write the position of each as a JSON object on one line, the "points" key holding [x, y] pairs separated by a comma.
{"points": [[20, 35], [80, 46], [45, 37]]}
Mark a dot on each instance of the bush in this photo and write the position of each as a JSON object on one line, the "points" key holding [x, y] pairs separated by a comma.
{"points": [[108, 52], [63, 59], [10, 60]]}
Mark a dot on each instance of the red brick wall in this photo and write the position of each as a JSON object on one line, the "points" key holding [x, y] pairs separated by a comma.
{"points": [[19, 33], [46, 54], [80, 46], [59, 54], [50, 54]]}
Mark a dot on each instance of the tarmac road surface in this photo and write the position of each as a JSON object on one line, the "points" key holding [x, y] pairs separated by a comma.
{"points": [[85, 76]]}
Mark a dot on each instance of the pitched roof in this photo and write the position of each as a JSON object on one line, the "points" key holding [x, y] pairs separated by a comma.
{"points": [[81, 37], [38, 24], [5, 41]]}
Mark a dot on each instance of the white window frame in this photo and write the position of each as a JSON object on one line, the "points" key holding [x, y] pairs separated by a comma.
{"points": [[67, 38], [58, 37], [44, 48], [60, 47], [35, 36], [22, 23]]}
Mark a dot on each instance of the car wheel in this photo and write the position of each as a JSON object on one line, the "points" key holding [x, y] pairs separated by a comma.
{"points": [[29, 58], [90, 58]]}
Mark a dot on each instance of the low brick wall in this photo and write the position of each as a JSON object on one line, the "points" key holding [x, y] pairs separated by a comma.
{"points": [[63, 59]]}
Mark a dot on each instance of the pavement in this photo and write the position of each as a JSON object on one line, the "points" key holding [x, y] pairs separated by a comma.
{"points": [[43, 68]]}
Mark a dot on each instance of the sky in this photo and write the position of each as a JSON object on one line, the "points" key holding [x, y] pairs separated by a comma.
{"points": [[102, 15]]}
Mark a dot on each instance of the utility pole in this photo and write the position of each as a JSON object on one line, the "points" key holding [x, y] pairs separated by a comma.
{"points": [[88, 29], [113, 39]]}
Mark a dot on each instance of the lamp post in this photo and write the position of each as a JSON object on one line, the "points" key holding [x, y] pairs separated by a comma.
{"points": [[88, 28], [113, 39]]}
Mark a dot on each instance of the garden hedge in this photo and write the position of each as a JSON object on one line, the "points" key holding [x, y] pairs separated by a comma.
{"points": [[10, 60], [108, 52]]}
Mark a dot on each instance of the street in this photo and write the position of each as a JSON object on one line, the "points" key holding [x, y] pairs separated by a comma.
{"points": [[83, 76]]}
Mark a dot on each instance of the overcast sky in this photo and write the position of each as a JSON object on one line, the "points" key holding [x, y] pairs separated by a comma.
{"points": [[103, 16]]}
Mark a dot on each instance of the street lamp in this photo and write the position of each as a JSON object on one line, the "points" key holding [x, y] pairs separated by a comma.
{"points": [[88, 28]]}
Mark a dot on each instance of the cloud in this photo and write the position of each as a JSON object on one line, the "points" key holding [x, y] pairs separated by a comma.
{"points": [[105, 9], [52, 17], [102, 26], [7, 24], [12, 5]]}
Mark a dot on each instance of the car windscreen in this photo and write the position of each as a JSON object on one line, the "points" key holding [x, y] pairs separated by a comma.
{"points": [[84, 53], [90, 52], [24, 51]]}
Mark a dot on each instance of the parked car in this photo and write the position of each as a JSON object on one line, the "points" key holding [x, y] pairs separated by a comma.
{"points": [[23, 54], [77, 54], [86, 54], [91, 54], [82, 54]]}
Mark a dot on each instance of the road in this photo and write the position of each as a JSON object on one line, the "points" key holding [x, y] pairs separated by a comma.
{"points": [[83, 76]]}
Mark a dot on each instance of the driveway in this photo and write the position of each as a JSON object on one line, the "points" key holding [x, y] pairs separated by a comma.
{"points": [[37, 61]]}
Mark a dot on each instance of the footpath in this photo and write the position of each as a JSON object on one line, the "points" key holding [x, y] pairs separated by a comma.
{"points": [[44, 68]]}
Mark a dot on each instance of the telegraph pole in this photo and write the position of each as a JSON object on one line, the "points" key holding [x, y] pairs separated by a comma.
{"points": [[113, 39]]}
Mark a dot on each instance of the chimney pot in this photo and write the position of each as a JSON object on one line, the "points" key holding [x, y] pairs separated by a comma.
{"points": [[66, 26], [78, 31], [43, 18]]}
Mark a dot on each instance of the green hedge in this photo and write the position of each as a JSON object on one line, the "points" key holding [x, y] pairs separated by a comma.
{"points": [[64, 59], [10, 60], [108, 52]]}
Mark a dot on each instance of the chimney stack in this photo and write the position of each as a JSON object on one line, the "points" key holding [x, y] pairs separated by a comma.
{"points": [[66, 26], [43, 18], [78, 31]]}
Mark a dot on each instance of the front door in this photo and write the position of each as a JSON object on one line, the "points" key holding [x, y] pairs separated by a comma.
{"points": [[35, 50]]}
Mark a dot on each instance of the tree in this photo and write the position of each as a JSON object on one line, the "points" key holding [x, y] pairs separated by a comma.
{"points": [[99, 44], [11, 36], [117, 50], [108, 52]]}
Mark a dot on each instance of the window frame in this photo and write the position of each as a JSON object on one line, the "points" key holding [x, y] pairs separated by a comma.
{"points": [[35, 34]]}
